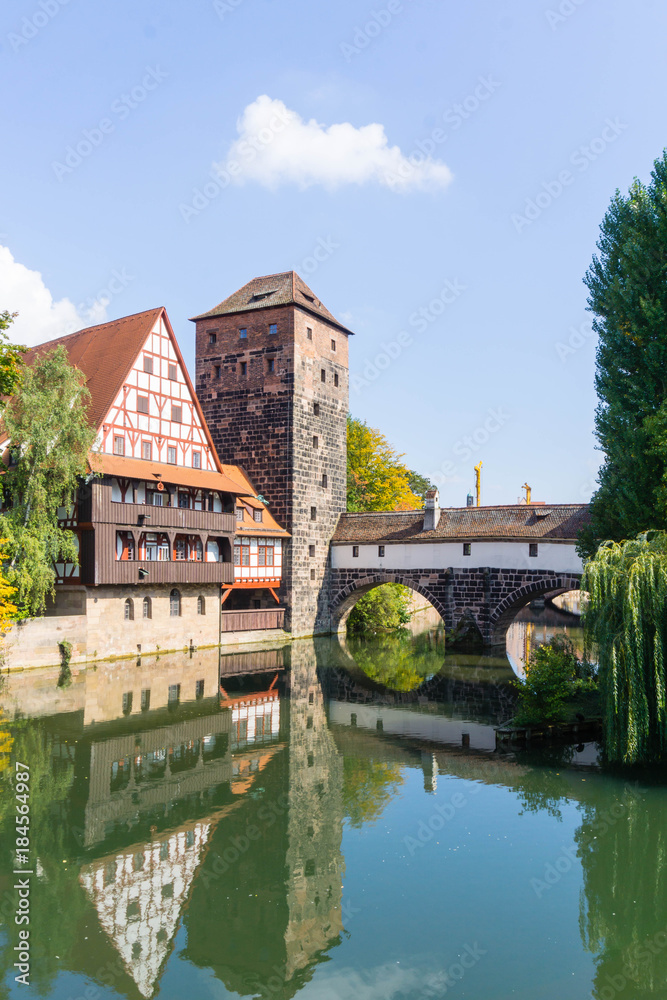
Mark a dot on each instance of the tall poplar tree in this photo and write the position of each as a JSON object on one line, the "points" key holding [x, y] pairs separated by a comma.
{"points": [[50, 438], [627, 282]]}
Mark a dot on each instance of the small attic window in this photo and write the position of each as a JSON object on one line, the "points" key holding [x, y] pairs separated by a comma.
{"points": [[311, 298], [258, 296]]}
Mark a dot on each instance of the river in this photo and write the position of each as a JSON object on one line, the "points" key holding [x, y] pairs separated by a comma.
{"points": [[336, 824]]}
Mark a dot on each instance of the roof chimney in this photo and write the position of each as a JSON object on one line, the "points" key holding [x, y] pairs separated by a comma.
{"points": [[431, 510]]}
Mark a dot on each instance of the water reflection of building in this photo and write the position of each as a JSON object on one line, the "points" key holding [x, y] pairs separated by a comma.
{"points": [[139, 895], [266, 906], [314, 860], [531, 630]]}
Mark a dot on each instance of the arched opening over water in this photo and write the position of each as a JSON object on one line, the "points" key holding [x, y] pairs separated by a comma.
{"points": [[539, 621], [343, 602]]}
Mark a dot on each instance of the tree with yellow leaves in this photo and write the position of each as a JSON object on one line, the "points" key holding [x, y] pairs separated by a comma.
{"points": [[377, 479], [8, 609]]}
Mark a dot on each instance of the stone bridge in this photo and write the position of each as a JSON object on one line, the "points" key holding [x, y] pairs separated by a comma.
{"points": [[479, 563]]}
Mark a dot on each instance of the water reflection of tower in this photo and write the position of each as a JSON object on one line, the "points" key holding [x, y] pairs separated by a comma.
{"points": [[314, 859]]}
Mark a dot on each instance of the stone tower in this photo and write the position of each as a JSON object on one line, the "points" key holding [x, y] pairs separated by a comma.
{"points": [[272, 380]]}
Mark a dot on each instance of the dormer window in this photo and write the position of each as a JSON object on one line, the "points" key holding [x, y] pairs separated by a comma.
{"points": [[257, 516]]}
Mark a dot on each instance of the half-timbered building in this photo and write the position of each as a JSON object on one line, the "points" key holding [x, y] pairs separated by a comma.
{"points": [[157, 518]]}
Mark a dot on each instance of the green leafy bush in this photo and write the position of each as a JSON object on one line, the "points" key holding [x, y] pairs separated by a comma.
{"points": [[554, 676], [384, 607]]}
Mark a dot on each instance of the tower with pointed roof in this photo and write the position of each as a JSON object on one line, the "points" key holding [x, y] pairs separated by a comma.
{"points": [[272, 379]]}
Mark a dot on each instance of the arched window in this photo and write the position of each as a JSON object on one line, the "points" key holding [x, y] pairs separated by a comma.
{"points": [[201, 605], [129, 610], [175, 604], [148, 607]]}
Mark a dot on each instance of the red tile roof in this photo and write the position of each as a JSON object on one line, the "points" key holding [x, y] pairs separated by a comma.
{"points": [[272, 290], [552, 521], [105, 354]]}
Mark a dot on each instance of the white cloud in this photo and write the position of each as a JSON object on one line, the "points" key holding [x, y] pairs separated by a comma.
{"points": [[276, 146], [40, 318]]}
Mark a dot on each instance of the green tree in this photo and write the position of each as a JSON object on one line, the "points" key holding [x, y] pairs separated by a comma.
{"points": [[625, 617], [368, 787], [377, 479], [384, 607], [50, 437], [628, 295], [551, 680], [11, 357], [419, 484]]}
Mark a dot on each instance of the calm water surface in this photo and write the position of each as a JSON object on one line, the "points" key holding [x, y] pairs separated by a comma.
{"points": [[336, 824]]}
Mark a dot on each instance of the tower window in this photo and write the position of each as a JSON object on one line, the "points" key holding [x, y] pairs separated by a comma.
{"points": [[148, 613], [333, 345], [467, 548], [316, 409], [309, 333], [270, 365], [171, 456], [216, 371], [148, 365], [174, 609], [128, 610], [142, 404], [325, 480], [201, 605], [323, 375], [311, 550], [336, 378], [381, 551], [243, 333], [313, 513], [273, 328], [316, 441], [312, 574], [119, 445], [244, 367], [355, 551], [212, 337], [532, 549], [172, 372], [177, 414]]}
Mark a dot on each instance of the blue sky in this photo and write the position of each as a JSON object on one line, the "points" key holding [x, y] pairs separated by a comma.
{"points": [[462, 278]]}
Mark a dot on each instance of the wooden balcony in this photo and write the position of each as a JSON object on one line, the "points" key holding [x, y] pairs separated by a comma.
{"points": [[175, 572], [103, 510], [246, 621]]}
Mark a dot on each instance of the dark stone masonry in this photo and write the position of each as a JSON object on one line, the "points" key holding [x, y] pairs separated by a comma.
{"points": [[491, 596], [272, 379]]}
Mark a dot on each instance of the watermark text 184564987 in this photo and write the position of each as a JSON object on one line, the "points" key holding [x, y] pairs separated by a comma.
{"points": [[22, 868]]}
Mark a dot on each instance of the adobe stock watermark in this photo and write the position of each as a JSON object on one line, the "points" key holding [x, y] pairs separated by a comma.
{"points": [[420, 320], [640, 954], [222, 174], [454, 117], [469, 444], [562, 13], [121, 108], [225, 7], [578, 336], [581, 159], [442, 813], [321, 252], [32, 24]]}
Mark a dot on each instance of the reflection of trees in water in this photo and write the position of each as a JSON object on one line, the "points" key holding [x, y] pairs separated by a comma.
{"points": [[623, 850], [56, 889], [400, 662], [368, 786]]}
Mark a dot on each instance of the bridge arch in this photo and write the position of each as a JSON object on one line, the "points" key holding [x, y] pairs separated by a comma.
{"points": [[347, 597], [505, 612]]}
